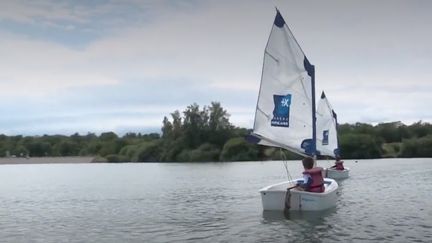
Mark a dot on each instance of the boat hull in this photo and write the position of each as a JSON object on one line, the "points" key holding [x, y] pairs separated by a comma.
{"points": [[337, 174], [273, 197]]}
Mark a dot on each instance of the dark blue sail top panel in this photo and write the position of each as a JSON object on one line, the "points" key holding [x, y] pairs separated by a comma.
{"points": [[309, 67], [279, 21], [323, 95], [334, 115]]}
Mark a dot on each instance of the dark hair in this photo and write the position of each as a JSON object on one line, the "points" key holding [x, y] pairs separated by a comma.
{"points": [[308, 162]]}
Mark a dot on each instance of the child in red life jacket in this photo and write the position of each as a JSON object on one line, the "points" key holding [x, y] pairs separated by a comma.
{"points": [[338, 164], [313, 180]]}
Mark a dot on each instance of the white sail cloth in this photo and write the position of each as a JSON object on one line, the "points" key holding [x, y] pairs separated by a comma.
{"points": [[326, 123], [285, 109]]}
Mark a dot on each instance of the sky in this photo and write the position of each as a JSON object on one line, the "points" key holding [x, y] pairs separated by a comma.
{"points": [[83, 66]]}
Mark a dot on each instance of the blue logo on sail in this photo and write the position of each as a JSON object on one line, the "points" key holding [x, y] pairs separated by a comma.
{"points": [[281, 110], [325, 137]]}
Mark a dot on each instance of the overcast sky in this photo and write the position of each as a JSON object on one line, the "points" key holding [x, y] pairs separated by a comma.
{"points": [[71, 66]]}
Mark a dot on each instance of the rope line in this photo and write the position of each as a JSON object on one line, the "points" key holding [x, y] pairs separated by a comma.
{"points": [[285, 163]]}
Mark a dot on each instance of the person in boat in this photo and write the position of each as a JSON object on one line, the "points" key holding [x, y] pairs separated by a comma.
{"points": [[338, 164], [313, 180]]}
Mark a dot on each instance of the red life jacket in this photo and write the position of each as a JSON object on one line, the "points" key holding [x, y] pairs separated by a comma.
{"points": [[317, 179], [339, 165]]}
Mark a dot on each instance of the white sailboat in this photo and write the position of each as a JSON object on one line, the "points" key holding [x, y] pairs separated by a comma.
{"points": [[327, 139], [285, 117]]}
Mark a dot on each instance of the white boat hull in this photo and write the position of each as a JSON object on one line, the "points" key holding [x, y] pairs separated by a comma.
{"points": [[273, 197], [337, 174]]}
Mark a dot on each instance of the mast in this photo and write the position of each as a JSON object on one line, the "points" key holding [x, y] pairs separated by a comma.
{"points": [[313, 118], [311, 72], [337, 152], [313, 114]]}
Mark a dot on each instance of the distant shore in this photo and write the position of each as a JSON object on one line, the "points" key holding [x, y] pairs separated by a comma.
{"points": [[47, 160]]}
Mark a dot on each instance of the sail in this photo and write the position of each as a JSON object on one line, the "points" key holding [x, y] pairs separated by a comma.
{"points": [[326, 123], [286, 105]]}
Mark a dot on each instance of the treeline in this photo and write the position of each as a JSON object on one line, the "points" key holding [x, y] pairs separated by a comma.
{"points": [[394, 139], [196, 134], [206, 134]]}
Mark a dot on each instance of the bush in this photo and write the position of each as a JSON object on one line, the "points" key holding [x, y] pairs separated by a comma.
{"points": [[66, 148], [391, 150], [171, 149], [129, 151], [147, 152], [237, 149], [110, 147], [359, 146], [116, 158], [39, 149], [204, 153], [417, 147]]}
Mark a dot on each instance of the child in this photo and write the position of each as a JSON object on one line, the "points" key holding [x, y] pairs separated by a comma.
{"points": [[313, 180], [338, 164]]}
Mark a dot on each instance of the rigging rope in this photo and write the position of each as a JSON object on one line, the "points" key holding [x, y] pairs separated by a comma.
{"points": [[285, 162], [287, 200], [288, 192]]}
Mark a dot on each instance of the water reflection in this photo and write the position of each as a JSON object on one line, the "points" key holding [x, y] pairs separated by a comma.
{"points": [[208, 203], [299, 226], [310, 216]]}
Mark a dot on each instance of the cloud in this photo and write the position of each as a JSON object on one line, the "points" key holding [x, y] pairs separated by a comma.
{"points": [[71, 61], [34, 68], [172, 48]]}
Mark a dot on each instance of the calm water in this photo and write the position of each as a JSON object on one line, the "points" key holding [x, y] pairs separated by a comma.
{"points": [[383, 201]]}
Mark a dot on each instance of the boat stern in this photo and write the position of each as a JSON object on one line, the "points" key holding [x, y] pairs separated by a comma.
{"points": [[275, 197]]}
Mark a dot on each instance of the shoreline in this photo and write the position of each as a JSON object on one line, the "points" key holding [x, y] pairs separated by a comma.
{"points": [[47, 160]]}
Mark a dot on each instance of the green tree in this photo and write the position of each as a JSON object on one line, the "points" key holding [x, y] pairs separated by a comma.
{"points": [[204, 153], [420, 129], [177, 129], [66, 148], [389, 132], [359, 146], [108, 136], [167, 128], [219, 117], [237, 149], [417, 147], [148, 152], [19, 151], [110, 147], [220, 129], [38, 148], [170, 149], [194, 125]]}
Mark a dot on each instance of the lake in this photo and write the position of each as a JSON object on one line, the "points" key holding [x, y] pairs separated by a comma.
{"points": [[387, 200]]}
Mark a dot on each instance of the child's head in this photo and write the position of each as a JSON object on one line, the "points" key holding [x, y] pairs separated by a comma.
{"points": [[308, 163]]}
